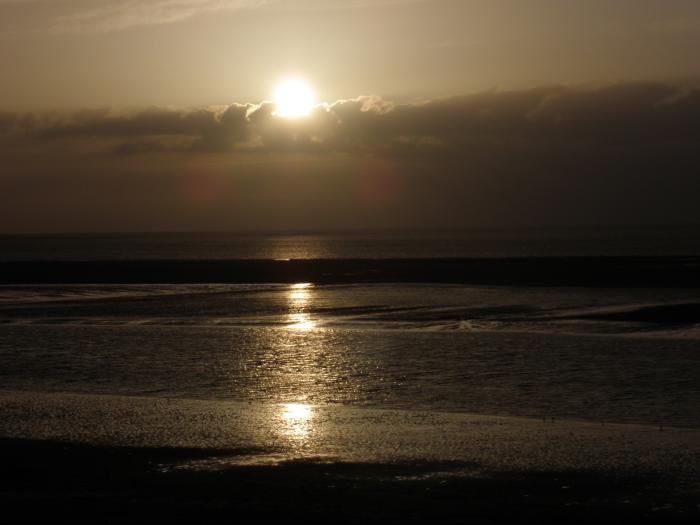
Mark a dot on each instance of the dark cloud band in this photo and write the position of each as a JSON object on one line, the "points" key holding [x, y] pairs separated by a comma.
{"points": [[619, 114]]}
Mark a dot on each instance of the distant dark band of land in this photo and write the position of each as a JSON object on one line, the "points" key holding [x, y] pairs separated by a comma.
{"points": [[545, 271]]}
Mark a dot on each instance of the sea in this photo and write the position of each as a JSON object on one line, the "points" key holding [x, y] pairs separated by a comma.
{"points": [[601, 354]]}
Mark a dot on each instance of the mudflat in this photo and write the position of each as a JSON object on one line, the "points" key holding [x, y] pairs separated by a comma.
{"points": [[117, 458]]}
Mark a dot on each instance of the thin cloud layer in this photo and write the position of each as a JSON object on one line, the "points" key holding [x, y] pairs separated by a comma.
{"points": [[116, 16], [107, 16]]}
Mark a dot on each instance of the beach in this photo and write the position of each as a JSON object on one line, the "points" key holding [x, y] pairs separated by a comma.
{"points": [[553, 390], [136, 457]]}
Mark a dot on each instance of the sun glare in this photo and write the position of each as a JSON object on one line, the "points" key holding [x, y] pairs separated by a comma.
{"points": [[293, 98], [296, 412]]}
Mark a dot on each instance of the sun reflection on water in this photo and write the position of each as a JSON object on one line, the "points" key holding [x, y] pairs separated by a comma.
{"points": [[299, 294], [301, 322], [297, 418], [299, 297]]}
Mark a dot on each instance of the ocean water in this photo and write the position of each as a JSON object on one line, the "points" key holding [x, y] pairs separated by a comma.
{"points": [[594, 354], [603, 355], [653, 241]]}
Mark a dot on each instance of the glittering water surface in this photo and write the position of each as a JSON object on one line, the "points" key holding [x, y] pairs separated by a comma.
{"points": [[542, 352]]}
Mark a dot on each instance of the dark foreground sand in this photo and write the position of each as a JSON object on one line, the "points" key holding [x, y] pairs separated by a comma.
{"points": [[124, 459]]}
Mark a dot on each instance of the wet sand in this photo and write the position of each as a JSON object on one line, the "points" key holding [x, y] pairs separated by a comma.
{"points": [[115, 458], [664, 314]]}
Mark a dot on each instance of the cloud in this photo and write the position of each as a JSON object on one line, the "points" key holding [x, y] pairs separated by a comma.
{"points": [[208, 128], [116, 16], [555, 118], [106, 16], [623, 154]]}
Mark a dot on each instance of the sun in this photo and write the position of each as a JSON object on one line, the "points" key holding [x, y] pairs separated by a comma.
{"points": [[293, 98]]}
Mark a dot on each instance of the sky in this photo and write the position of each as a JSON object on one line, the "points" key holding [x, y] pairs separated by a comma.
{"points": [[156, 115]]}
